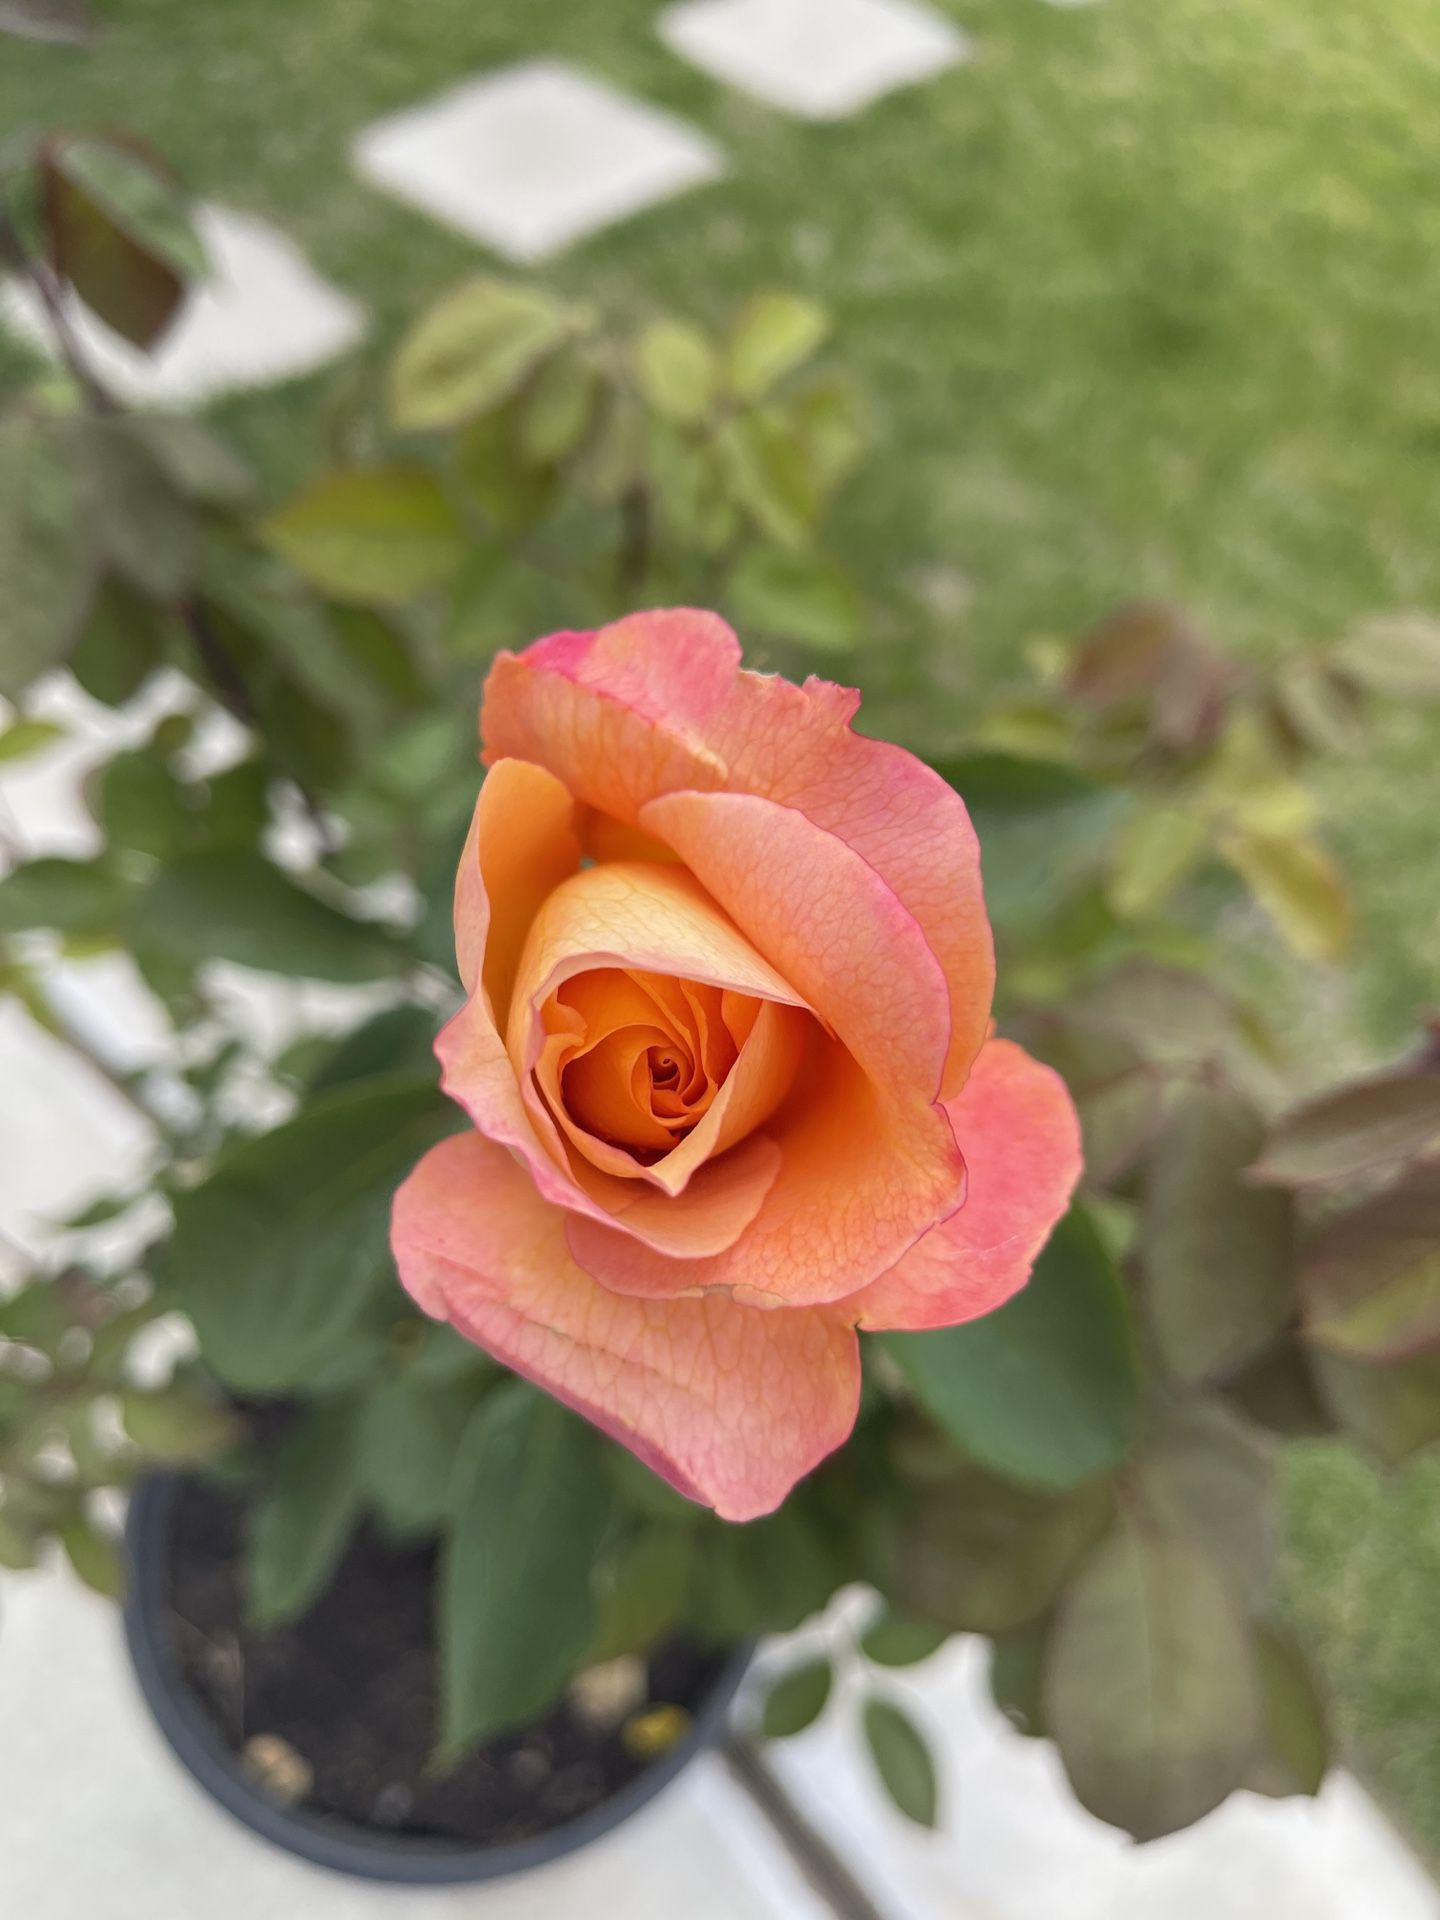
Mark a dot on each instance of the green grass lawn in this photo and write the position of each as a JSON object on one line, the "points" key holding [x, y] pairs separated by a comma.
{"points": [[1144, 301]]}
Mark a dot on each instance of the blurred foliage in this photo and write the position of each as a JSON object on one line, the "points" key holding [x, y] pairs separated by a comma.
{"points": [[1085, 1476]]}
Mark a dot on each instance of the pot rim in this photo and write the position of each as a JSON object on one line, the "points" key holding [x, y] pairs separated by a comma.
{"points": [[368, 1854]]}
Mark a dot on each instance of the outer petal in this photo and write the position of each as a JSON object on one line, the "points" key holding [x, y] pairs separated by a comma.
{"points": [[729, 1404], [658, 703], [1017, 1127], [522, 844], [828, 923]]}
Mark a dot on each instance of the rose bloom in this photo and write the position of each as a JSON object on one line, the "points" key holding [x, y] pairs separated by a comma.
{"points": [[726, 1051]]}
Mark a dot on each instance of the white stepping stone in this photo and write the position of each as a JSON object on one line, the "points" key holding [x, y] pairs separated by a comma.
{"points": [[819, 59], [533, 157], [263, 316]]}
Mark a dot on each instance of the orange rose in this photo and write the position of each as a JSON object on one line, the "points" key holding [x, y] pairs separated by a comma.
{"points": [[726, 1054]]}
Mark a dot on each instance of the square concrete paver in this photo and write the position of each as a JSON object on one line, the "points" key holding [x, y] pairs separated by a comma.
{"points": [[820, 59], [263, 316], [533, 157]]}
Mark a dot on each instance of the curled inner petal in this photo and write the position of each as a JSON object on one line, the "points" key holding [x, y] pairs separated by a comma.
{"points": [[649, 1077], [649, 1059], [649, 1038]]}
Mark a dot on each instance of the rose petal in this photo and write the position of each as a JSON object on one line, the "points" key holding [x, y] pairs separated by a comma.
{"points": [[861, 1177], [1017, 1127], [522, 844], [826, 921], [729, 1404], [653, 917], [630, 914], [657, 703]]}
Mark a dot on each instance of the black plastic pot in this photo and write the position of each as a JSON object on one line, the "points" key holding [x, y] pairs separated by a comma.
{"points": [[369, 1855]]}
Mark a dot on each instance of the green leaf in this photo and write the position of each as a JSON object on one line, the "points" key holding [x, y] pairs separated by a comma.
{"points": [[177, 1424], [95, 1556], [1117, 1093], [238, 808], [1044, 1389], [1160, 846], [1150, 1690], [768, 472], [441, 1356], [1354, 1130], [82, 897], [367, 648], [644, 1593], [795, 596], [1277, 1392], [773, 336], [194, 459], [120, 643], [613, 462], [396, 1040], [141, 806], [894, 1641], [1207, 1477], [119, 231], [977, 1554], [1043, 828], [1218, 1253], [148, 530], [694, 513], [1017, 1663], [471, 350], [557, 410], [677, 372], [36, 1315], [304, 1520], [762, 1578], [516, 1610], [24, 737], [902, 1760], [230, 904], [639, 1489], [281, 1255], [379, 535], [410, 1433], [828, 423], [1392, 1409], [796, 1699], [1370, 1281], [1295, 1742], [48, 558], [1298, 884], [1171, 1017]]}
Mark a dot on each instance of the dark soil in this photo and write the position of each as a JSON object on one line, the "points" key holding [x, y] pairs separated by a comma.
{"points": [[350, 1688]]}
